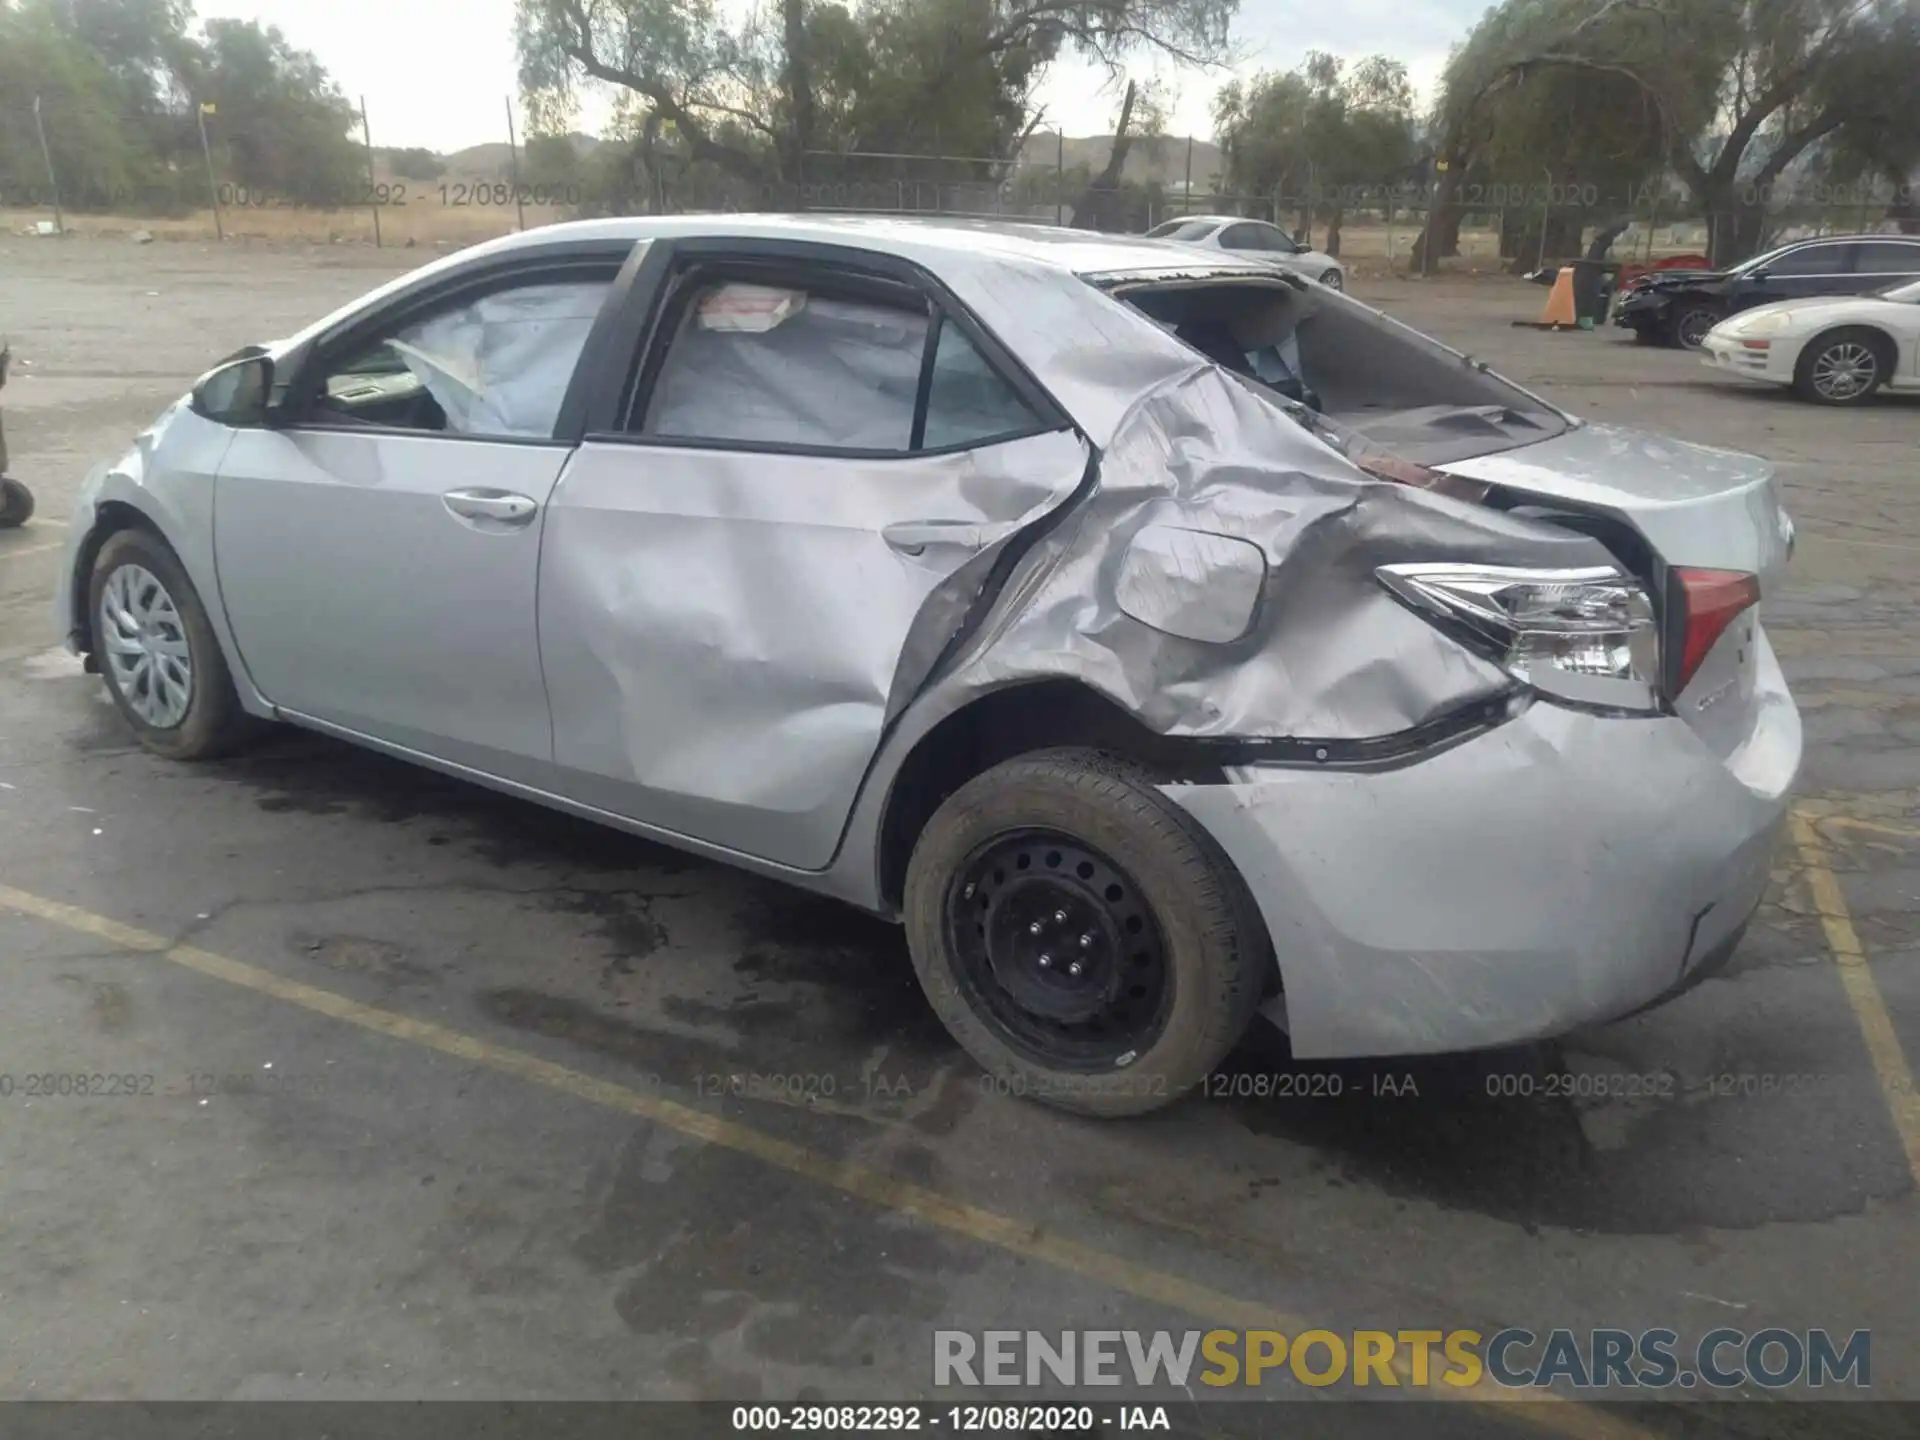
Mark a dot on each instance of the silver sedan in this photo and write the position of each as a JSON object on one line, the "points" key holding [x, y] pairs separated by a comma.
{"points": [[1254, 240], [1161, 637]]}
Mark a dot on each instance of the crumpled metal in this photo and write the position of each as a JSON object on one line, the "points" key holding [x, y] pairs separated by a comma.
{"points": [[1329, 654]]}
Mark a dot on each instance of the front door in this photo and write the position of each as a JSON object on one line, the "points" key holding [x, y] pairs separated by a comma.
{"points": [[741, 586], [377, 556]]}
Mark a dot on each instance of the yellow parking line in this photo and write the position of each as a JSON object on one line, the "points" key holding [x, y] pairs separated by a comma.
{"points": [[1016, 1237], [1855, 822], [1863, 994]]}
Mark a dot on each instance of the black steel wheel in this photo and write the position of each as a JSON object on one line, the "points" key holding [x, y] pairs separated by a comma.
{"points": [[1060, 946], [1081, 936]]}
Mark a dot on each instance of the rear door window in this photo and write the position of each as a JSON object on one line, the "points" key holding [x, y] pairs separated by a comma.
{"points": [[825, 367], [968, 402], [1886, 257]]}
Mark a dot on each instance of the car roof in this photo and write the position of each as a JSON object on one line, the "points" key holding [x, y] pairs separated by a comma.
{"points": [[1883, 237], [930, 240]]}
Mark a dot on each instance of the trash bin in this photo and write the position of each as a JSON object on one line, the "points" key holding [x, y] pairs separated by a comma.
{"points": [[1593, 285]]}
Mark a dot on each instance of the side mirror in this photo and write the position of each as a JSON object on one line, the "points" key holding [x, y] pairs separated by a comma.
{"points": [[236, 393], [1759, 272]]}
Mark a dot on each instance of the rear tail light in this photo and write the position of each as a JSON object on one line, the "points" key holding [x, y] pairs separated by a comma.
{"points": [[1710, 601], [1587, 635]]}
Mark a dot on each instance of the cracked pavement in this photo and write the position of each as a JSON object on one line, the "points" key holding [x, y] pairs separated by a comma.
{"points": [[382, 1221]]}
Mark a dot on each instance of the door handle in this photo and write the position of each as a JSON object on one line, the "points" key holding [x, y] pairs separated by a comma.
{"points": [[502, 507], [912, 537]]}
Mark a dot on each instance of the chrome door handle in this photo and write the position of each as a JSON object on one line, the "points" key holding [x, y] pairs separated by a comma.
{"points": [[912, 537], [501, 506]]}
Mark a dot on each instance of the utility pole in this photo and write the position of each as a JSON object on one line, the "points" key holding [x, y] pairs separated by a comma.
{"points": [[1059, 175], [46, 154], [1186, 198], [213, 186], [373, 200], [513, 162]]}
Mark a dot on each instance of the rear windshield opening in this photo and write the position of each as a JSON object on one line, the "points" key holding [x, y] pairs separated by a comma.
{"points": [[1369, 375]]}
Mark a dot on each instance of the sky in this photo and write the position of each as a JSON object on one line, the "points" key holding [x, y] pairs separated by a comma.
{"points": [[438, 72]]}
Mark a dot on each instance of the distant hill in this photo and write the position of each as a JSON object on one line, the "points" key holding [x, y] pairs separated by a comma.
{"points": [[493, 161], [1164, 161]]}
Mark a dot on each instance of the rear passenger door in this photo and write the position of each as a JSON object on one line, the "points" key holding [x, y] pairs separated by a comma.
{"points": [[772, 532]]}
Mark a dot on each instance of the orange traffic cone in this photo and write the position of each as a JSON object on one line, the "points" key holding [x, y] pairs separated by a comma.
{"points": [[1557, 313]]}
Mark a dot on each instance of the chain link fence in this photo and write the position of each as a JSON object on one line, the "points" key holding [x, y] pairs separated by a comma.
{"points": [[407, 198]]}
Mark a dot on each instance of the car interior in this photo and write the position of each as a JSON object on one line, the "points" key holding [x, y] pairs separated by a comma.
{"points": [[1358, 370], [495, 364]]}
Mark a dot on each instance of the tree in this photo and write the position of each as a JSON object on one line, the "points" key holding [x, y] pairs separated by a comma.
{"points": [[1740, 89], [105, 110], [752, 97], [283, 124], [1525, 142], [1104, 202], [415, 162], [119, 83], [1329, 132]]}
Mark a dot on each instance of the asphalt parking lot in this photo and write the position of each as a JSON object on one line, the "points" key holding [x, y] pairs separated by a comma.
{"points": [[452, 1098]]}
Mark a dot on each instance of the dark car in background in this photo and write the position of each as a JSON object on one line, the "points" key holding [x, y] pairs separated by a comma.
{"points": [[1679, 307]]}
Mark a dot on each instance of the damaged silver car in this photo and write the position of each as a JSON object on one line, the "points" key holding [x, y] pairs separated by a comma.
{"points": [[1161, 638]]}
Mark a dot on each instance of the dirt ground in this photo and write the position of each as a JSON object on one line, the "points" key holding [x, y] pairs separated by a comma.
{"points": [[391, 1212]]}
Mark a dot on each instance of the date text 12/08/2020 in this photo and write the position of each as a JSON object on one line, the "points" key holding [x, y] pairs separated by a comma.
{"points": [[396, 194], [956, 1419]]}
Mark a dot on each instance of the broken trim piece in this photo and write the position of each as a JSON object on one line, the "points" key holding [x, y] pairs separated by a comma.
{"points": [[1376, 753]]}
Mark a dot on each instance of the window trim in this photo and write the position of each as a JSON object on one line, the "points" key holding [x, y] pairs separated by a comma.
{"points": [[648, 313], [520, 272]]}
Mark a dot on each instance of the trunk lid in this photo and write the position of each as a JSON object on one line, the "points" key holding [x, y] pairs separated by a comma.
{"points": [[1695, 505]]}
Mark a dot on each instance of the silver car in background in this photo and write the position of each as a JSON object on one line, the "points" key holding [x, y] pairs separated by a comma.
{"points": [[1160, 637], [1255, 240]]}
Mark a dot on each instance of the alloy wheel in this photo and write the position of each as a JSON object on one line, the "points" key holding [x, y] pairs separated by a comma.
{"points": [[1845, 370], [146, 647]]}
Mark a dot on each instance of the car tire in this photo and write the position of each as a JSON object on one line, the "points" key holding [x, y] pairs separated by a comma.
{"points": [[1334, 280], [1080, 851], [16, 504], [1690, 325], [181, 703], [1843, 367]]}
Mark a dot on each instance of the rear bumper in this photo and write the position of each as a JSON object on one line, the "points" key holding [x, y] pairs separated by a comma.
{"points": [[1562, 870]]}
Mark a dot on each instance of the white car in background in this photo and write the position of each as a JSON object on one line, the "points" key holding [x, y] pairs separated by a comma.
{"points": [[1834, 350], [1255, 239]]}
